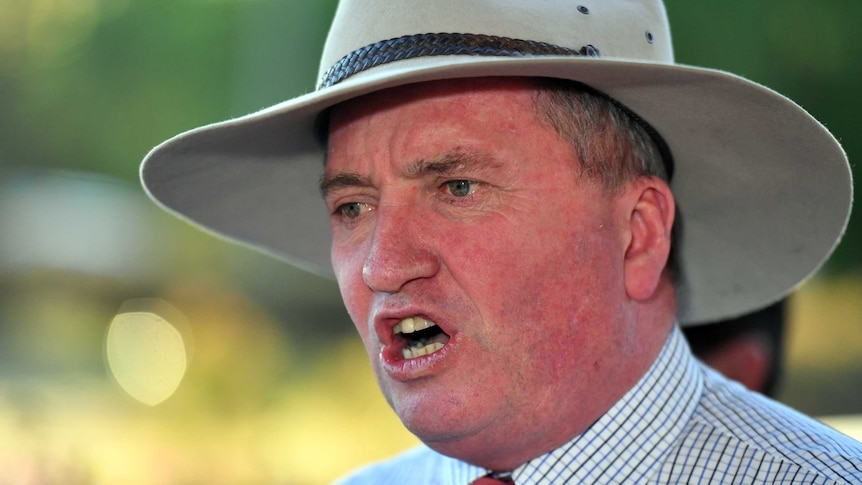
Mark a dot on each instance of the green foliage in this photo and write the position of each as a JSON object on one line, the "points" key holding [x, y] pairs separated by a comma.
{"points": [[807, 51], [96, 91]]}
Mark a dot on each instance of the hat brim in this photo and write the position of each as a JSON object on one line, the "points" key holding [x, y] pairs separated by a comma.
{"points": [[763, 188]]}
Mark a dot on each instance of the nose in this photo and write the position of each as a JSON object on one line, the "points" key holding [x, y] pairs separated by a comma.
{"points": [[401, 251]]}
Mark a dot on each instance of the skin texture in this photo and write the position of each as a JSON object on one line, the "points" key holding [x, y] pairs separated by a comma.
{"points": [[550, 287]]}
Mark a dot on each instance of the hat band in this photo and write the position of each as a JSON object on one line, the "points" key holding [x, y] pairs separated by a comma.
{"points": [[443, 44]]}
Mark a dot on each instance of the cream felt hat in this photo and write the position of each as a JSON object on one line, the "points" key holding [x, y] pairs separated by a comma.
{"points": [[764, 189]]}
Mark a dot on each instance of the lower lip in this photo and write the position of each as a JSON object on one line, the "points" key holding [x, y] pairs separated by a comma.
{"points": [[401, 369]]}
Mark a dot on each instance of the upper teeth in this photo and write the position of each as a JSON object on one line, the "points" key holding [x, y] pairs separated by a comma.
{"points": [[412, 324]]}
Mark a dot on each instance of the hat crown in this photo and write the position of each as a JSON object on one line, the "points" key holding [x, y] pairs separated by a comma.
{"points": [[622, 29]]}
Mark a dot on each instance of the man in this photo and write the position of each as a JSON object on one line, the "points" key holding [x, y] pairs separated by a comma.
{"points": [[502, 186], [748, 349]]}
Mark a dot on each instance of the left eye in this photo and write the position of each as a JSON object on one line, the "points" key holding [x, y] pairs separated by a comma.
{"points": [[460, 188]]}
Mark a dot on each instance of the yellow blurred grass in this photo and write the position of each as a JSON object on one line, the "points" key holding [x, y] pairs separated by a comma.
{"points": [[823, 364], [314, 431], [825, 329], [251, 411]]}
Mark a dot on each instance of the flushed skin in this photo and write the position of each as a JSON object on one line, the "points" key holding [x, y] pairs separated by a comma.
{"points": [[453, 202]]}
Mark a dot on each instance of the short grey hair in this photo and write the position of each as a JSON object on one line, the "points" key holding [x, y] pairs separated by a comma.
{"points": [[611, 143]]}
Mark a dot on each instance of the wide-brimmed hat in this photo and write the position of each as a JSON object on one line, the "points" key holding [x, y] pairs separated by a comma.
{"points": [[763, 188]]}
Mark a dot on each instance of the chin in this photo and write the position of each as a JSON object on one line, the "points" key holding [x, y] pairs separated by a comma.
{"points": [[437, 418]]}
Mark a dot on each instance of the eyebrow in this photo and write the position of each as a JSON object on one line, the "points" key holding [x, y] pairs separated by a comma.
{"points": [[331, 183], [455, 161]]}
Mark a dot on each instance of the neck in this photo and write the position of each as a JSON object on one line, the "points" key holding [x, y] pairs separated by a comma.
{"points": [[561, 416]]}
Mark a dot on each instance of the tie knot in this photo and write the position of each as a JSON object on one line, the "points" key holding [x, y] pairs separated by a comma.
{"points": [[494, 478]]}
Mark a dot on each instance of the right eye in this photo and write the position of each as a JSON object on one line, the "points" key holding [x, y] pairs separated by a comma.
{"points": [[460, 188], [352, 210]]}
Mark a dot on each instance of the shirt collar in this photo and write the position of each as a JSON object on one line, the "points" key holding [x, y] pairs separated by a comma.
{"points": [[626, 444]]}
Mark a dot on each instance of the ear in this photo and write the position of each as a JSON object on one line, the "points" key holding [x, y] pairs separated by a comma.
{"points": [[650, 212]]}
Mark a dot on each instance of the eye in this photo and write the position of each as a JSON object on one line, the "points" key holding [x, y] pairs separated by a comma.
{"points": [[460, 188], [351, 210]]}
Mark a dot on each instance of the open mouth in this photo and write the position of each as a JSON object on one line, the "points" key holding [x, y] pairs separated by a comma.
{"points": [[419, 337]]}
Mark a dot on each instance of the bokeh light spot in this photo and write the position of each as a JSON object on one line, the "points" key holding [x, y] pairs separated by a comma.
{"points": [[146, 353]]}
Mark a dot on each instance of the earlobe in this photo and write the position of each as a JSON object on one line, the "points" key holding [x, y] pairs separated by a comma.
{"points": [[650, 218]]}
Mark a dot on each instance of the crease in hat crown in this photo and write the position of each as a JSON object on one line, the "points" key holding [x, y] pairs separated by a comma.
{"points": [[624, 29]]}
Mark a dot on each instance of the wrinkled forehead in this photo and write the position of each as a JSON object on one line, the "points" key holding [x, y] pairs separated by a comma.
{"points": [[395, 97], [451, 91]]}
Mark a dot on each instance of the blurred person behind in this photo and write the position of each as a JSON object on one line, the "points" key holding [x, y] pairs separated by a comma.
{"points": [[748, 349]]}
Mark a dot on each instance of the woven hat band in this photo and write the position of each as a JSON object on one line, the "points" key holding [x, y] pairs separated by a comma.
{"points": [[442, 44]]}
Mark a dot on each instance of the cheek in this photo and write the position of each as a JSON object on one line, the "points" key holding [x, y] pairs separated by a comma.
{"points": [[550, 287], [354, 293]]}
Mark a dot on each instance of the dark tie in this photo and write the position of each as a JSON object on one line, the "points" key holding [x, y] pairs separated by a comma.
{"points": [[504, 478]]}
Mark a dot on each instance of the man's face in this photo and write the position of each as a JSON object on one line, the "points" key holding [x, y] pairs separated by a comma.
{"points": [[453, 206]]}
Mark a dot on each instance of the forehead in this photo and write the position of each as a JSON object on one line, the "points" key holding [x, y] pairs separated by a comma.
{"points": [[470, 127], [444, 94]]}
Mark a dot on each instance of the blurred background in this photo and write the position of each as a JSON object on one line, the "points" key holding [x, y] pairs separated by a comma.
{"points": [[137, 350]]}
